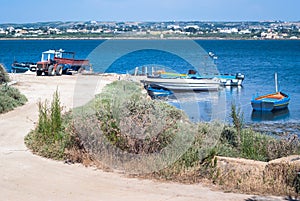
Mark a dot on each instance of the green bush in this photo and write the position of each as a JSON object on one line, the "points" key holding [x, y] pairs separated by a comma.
{"points": [[4, 78], [10, 98], [134, 123], [50, 138], [246, 143]]}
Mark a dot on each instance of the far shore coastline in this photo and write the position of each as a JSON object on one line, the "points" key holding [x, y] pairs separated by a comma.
{"points": [[146, 38]]}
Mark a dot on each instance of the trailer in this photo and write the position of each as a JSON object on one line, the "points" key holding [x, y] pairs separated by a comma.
{"points": [[58, 62]]}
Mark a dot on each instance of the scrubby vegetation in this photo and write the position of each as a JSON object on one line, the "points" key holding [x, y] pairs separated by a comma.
{"points": [[4, 78], [10, 97], [53, 135], [123, 123], [136, 124]]}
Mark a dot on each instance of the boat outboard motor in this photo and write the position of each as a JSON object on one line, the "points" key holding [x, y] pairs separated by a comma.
{"points": [[240, 76]]}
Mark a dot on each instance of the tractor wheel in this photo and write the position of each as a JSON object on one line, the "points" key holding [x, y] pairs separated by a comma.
{"points": [[39, 73], [33, 69], [51, 70], [59, 70]]}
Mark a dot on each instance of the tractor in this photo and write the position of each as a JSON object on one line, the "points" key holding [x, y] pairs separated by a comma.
{"points": [[58, 62]]}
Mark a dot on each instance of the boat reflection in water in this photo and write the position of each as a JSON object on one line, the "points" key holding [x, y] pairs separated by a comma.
{"points": [[270, 116], [200, 106]]}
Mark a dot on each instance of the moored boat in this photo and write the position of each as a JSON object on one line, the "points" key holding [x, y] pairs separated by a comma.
{"points": [[224, 79], [228, 79], [183, 84], [157, 91], [271, 102]]}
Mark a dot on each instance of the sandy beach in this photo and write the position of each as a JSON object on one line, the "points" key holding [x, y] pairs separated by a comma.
{"points": [[25, 176]]}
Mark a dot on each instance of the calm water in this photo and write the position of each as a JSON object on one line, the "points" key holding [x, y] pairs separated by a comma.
{"points": [[258, 60]]}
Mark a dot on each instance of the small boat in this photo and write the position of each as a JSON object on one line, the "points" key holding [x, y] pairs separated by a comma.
{"points": [[183, 84], [228, 79], [224, 79], [22, 67], [157, 91], [192, 81], [212, 55], [271, 102]]}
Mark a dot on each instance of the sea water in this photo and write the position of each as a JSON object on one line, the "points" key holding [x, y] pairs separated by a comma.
{"points": [[257, 59]]}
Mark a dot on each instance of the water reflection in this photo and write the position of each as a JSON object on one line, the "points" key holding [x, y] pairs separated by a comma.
{"points": [[270, 116], [210, 106], [200, 106]]}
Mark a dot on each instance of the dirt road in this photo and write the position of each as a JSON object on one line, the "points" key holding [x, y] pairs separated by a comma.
{"points": [[24, 176]]}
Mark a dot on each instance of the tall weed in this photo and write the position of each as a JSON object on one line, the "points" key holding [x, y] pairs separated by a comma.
{"points": [[49, 139]]}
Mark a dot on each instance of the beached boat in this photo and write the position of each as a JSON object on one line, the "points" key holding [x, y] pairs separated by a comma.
{"points": [[22, 67], [271, 102]]}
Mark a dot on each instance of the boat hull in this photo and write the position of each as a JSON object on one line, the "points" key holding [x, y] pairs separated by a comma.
{"points": [[224, 79], [156, 92], [229, 80], [180, 84], [19, 69], [270, 102], [23, 67]]}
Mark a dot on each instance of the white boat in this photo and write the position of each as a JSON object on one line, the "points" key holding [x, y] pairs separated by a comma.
{"points": [[183, 84], [231, 80]]}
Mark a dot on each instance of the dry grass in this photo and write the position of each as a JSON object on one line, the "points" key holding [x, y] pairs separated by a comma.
{"points": [[278, 177]]}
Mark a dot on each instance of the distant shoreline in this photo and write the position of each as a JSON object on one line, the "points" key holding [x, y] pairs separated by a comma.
{"points": [[148, 38]]}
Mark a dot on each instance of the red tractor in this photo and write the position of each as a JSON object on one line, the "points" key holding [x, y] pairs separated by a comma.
{"points": [[58, 62]]}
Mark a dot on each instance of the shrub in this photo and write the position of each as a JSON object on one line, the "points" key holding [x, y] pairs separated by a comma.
{"points": [[50, 138], [10, 98], [237, 120], [4, 78], [134, 123]]}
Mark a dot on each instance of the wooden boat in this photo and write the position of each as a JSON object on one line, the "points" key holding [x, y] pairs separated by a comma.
{"points": [[271, 102]]}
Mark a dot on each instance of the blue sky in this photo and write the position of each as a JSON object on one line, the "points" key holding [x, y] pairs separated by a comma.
{"points": [[20, 11]]}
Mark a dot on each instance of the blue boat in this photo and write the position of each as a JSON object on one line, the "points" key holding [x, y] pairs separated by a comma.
{"points": [[157, 91], [271, 102], [22, 67]]}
